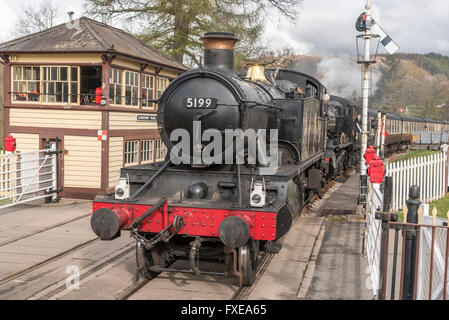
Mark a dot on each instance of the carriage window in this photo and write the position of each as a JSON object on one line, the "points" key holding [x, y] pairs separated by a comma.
{"points": [[311, 89]]}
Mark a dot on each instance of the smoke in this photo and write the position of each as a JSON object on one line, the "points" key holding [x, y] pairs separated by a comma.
{"points": [[342, 76]]}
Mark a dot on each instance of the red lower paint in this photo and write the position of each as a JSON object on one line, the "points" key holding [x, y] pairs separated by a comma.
{"points": [[198, 222]]}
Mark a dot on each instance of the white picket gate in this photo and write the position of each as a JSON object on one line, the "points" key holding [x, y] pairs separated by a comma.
{"points": [[28, 176], [439, 262], [428, 172], [374, 229]]}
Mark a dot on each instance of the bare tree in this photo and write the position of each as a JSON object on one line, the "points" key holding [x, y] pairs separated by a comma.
{"points": [[35, 19], [175, 26], [270, 58]]}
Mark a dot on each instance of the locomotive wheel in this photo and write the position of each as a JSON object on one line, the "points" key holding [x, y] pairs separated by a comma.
{"points": [[249, 262], [145, 260]]}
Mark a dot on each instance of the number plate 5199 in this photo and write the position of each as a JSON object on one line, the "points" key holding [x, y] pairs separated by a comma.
{"points": [[200, 103]]}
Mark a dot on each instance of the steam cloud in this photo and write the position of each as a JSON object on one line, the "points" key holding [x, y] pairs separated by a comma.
{"points": [[343, 76]]}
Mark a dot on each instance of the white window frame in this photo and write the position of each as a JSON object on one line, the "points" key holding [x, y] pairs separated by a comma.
{"points": [[161, 150], [43, 96], [130, 154], [162, 84], [147, 146], [148, 79], [133, 78]]}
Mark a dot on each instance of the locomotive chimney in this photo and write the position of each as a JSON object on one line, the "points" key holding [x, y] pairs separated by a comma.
{"points": [[219, 51]]}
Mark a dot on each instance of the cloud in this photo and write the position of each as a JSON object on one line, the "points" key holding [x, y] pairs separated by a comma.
{"points": [[7, 19], [328, 27], [11, 9]]}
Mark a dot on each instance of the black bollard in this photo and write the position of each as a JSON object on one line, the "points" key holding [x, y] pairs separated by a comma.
{"points": [[408, 283]]}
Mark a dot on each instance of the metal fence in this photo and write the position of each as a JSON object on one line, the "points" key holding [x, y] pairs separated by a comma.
{"points": [[408, 260], [428, 172], [426, 277], [28, 176]]}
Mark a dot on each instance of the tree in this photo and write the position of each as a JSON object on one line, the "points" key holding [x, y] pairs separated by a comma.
{"points": [[175, 26], [35, 19]]}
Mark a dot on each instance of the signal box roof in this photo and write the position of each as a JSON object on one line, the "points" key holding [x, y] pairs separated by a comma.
{"points": [[89, 36]]}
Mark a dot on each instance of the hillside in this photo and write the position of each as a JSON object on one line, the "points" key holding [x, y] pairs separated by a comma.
{"points": [[417, 81]]}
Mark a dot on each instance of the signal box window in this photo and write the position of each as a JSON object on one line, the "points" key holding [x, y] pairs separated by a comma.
{"points": [[26, 84], [162, 84], [146, 151], [131, 88], [90, 82], [147, 91], [115, 86], [131, 152], [161, 150], [57, 84]]}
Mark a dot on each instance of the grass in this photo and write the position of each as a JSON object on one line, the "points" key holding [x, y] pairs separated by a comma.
{"points": [[414, 154], [442, 206], [5, 201]]}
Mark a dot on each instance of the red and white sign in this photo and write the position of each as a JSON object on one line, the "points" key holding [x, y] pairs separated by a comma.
{"points": [[102, 135]]}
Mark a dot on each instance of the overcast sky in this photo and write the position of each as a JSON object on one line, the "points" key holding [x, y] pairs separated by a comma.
{"points": [[324, 26]]}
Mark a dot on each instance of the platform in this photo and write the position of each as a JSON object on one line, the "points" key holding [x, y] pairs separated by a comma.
{"points": [[344, 201], [341, 273]]}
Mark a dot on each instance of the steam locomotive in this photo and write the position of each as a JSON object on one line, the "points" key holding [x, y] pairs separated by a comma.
{"points": [[218, 208]]}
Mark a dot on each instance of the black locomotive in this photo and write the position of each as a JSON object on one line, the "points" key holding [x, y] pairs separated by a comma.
{"points": [[229, 211]]}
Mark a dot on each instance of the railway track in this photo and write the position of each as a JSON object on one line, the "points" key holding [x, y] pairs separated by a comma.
{"points": [[23, 272], [243, 292], [9, 241], [58, 289]]}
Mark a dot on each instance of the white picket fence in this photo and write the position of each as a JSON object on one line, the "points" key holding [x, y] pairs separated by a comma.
{"points": [[427, 172]]}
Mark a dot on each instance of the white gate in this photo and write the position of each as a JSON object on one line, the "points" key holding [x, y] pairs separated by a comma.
{"points": [[374, 229], [435, 271], [28, 176]]}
